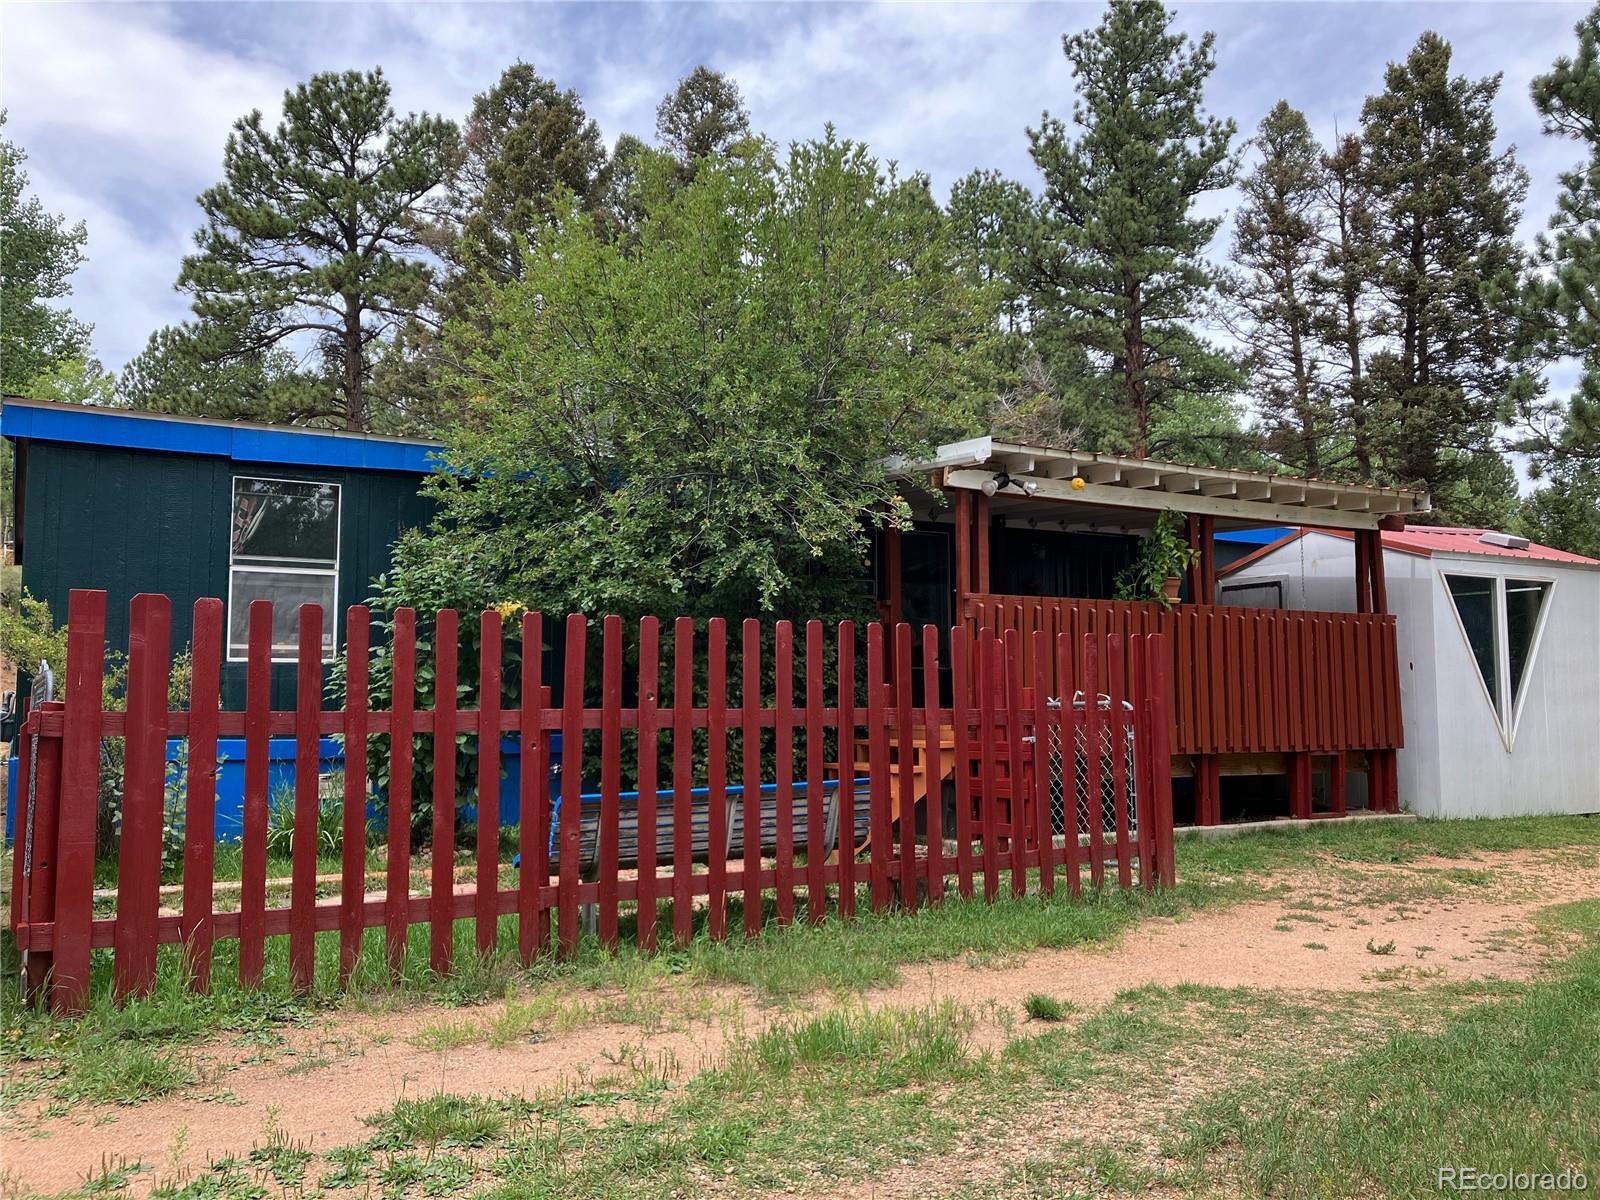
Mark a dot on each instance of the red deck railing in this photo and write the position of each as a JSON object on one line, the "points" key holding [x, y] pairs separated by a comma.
{"points": [[1245, 680], [698, 847]]}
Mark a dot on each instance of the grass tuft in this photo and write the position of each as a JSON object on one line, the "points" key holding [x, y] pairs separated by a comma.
{"points": [[1040, 1007]]}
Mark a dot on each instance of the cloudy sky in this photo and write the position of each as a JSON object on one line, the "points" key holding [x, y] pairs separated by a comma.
{"points": [[124, 108]]}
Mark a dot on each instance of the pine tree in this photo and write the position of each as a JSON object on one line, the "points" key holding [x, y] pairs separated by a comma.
{"points": [[194, 369], [1116, 264], [1277, 242], [39, 252], [524, 143], [1446, 203], [314, 232], [1567, 296], [703, 115]]}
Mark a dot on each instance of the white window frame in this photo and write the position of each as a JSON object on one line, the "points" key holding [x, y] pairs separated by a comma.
{"points": [[332, 650], [1507, 706]]}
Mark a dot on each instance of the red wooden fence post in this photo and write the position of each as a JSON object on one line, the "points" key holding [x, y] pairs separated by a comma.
{"points": [[307, 800], [568, 843], [38, 828], [353, 865], [933, 753], [80, 788], [845, 842], [816, 893], [783, 769], [1300, 784], [442, 851], [610, 831], [402, 708], [200, 794], [487, 876], [682, 780], [904, 779], [143, 792], [750, 747], [877, 770], [649, 695], [1158, 695], [533, 796], [716, 777]]}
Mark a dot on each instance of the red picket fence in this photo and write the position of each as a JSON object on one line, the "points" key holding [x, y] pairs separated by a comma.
{"points": [[842, 751]]}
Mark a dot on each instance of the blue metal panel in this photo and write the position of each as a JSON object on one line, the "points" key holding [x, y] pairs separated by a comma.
{"points": [[83, 425]]}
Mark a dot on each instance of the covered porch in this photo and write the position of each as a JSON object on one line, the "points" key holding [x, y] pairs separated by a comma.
{"points": [[1297, 711]]}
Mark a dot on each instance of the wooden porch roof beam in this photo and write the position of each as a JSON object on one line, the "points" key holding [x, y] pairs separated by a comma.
{"points": [[1273, 511]]}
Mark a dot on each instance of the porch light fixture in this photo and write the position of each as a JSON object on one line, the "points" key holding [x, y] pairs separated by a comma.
{"points": [[1002, 480]]}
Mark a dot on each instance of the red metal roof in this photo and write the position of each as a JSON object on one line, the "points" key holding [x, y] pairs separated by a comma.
{"points": [[1443, 539]]}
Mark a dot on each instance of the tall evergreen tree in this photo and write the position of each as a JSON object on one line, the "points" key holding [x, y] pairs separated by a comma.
{"points": [[1116, 261], [195, 369], [703, 115], [1567, 295], [315, 231], [1277, 243], [39, 252], [1342, 289], [1446, 202]]}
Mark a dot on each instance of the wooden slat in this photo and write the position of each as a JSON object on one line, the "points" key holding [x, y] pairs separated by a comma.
{"points": [[1071, 721], [1115, 688], [905, 778], [253, 847], [878, 769], [682, 779], [783, 768], [490, 635], [610, 775], [1044, 830], [846, 738], [200, 793], [571, 783], [446, 645], [649, 685], [1092, 722], [307, 799], [933, 754], [533, 796], [961, 731], [353, 823], [1018, 757], [750, 748], [816, 894], [397, 890], [80, 787], [144, 777], [716, 776]]}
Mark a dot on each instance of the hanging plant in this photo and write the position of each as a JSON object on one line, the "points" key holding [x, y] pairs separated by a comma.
{"points": [[1164, 555]]}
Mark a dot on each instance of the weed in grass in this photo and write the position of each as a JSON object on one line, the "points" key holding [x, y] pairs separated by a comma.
{"points": [[439, 1120], [1040, 1007], [111, 1073], [113, 1177], [347, 1167], [1380, 948]]}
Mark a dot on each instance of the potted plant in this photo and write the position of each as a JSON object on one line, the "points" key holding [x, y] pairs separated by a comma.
{"points": [[1156, 572]]}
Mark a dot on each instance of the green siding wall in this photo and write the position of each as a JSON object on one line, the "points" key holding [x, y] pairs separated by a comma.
{"points": [[131, 521]]}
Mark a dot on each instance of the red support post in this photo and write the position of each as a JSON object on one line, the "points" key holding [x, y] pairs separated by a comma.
{"points": [[1158, 698], [1300, 784], [963, 551], [1208, 560], [981, 549]]}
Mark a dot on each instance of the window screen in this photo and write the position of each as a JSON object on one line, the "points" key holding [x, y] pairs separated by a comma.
{"points": [[283, 547]]}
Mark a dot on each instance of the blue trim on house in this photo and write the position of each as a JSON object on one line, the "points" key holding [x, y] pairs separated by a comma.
{"points": [[235, 440], [1253, 537]]}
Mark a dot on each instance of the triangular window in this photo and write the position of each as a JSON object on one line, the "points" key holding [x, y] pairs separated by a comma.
{"points": [[1500, 620]]}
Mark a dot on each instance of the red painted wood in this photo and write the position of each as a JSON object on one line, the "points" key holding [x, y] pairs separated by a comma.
{"points": [[878, 769], [144, 777], [1043, 720], [1300, 784], [844, 845], [1071, 721], [487, 875], [200, 793], [307, 799], [963, 551], [533, 796], [1338, 801], [571, 785], [403, 702], [353, 865], [1116, 689], [1017, 753], [989, 683], [904, 780], [717, 777], [1139, 722], [253, 848], [446, 645], [750, 748], [80, 787], [1158, 699], [961, 726], [649, 695], [981, 549], [610, 775], [783, 767], [816, 892], [1092, 723], [933, 753], [682, 779]]}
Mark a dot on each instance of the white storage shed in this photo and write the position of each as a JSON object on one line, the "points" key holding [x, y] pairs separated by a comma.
{"points": [[1499, 642]]}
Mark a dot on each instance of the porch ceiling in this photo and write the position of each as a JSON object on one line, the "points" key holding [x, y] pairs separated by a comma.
{"points": [[1118, 492]]}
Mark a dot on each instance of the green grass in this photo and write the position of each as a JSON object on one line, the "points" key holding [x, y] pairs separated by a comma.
{"points": [[1040, 1007], [1512, 1084]]}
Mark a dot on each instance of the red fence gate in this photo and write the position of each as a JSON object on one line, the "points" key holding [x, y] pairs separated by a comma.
{"points": [[1011, 780]]}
